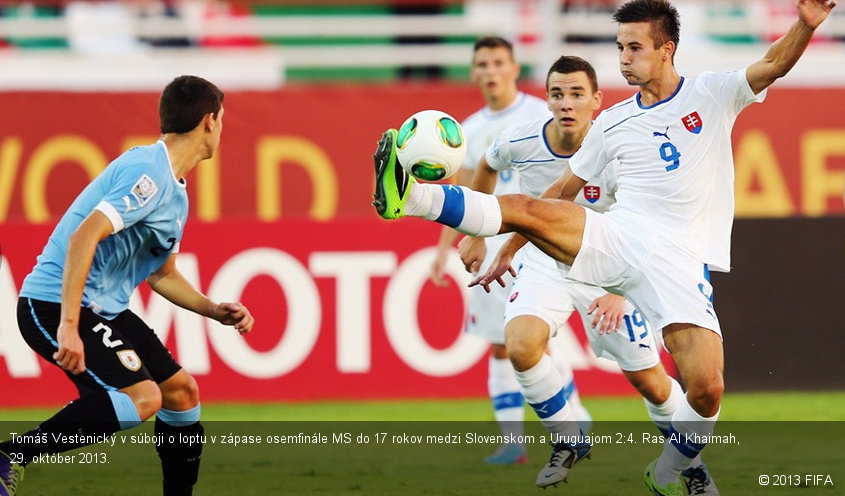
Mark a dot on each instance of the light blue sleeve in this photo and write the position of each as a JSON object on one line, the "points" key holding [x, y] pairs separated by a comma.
{"points": [[135, 190]]}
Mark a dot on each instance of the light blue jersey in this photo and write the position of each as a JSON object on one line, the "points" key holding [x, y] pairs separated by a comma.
{"points": [[148, 208]]}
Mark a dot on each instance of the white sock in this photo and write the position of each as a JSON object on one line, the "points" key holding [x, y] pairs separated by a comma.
{"points": [[680, 450], [544, 391], [661, 414], [508, 403], [468, 211], [564, 368], [425, 200]]}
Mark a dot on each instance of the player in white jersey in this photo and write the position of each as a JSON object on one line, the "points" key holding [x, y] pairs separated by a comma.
{"points": [[124, 228], [542, 299], [495, 71], [674, 206]]}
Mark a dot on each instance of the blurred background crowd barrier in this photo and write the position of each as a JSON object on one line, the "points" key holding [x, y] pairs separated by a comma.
{"points": [[136, 44]]}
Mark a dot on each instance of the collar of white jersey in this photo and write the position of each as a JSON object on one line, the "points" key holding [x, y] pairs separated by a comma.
{"points": [[677, 90], [181, 183]]}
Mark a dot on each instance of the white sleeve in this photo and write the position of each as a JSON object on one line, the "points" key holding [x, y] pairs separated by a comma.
{"points": [[731, 89], [591, 158], [498, 154], [112, 214]]}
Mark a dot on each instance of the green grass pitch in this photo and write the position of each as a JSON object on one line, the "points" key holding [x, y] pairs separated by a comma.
{"points": [[794, 438]]}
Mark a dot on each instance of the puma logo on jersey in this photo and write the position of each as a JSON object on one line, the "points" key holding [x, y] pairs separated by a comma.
{"points": [[664, 134], [693, 122]]}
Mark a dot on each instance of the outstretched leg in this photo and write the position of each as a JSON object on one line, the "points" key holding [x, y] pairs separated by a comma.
{"points": [[555, 226]]}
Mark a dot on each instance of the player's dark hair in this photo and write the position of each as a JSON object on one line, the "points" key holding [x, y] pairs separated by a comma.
{"points": [[492, 42], [662, 15], [567, 64], [185, 101]]}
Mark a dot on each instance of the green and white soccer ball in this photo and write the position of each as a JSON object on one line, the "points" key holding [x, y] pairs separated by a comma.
{"points": [[431, 145]]}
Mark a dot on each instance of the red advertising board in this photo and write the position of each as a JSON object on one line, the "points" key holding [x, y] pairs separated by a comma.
{"points": [[304, 152], [281, 220], [343, 310]]}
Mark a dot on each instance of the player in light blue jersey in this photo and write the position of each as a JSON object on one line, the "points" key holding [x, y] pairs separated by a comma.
{"points": [[147, 208], [124, 228], [673, 215]]}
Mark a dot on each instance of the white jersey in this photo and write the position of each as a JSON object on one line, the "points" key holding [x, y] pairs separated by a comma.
{"points": [[675, 166], [482, 128], [485, 312], [523, 147], [541, 288]]}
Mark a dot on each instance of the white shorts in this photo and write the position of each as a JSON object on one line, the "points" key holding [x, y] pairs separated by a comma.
{"points": [[485, 312], [668, 285], [544, 292]]}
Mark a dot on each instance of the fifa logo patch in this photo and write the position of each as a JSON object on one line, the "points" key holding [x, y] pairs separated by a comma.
{"points": [[513, 296], [693, 122], [144, 189], [129, 359], [592, 193]]}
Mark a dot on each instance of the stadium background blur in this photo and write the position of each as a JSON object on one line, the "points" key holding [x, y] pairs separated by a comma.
{"points": [[281, 218]]}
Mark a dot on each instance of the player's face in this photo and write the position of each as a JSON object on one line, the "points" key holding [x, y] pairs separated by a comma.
{"points": [[639, 61], [495, 72], [572, 100]]}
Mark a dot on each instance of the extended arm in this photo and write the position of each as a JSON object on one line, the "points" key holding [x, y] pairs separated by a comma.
{"points": [[473, 250], [485, 177], [785, 52], [82, 245], [565, 188], [169, 283]]}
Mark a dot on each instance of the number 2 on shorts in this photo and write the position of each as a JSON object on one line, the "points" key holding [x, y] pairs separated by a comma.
{"points": [[107, 342]]}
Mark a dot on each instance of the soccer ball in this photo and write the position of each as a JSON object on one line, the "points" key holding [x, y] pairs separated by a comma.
{"points": [[431, 145]]}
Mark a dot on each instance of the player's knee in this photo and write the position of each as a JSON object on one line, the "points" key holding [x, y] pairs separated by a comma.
{"points": [[525, 349], [147, 398], [652, 391], [182, 394], [520, 357], [653, 384], [705, 396]]}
